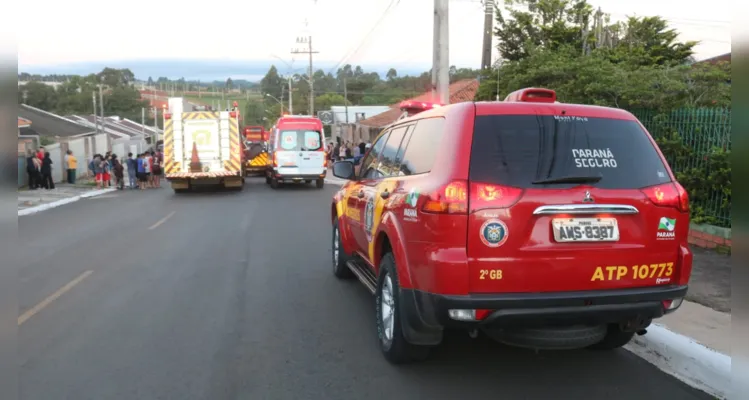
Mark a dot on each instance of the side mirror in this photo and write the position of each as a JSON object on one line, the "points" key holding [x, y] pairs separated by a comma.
{"points": [[344, 170]]}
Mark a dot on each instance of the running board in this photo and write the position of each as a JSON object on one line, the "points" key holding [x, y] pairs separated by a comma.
{"points": [[364, 274]]}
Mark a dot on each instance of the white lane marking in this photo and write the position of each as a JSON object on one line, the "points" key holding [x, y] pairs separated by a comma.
{"points": [[161, 221], [54, 296], [245, 223]]}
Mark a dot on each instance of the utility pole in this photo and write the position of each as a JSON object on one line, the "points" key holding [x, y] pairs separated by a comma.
{"points": [[486, 51], [345, 103], [308, 41], [291, 111], [103, 121], [96, 120], [143, 122], [441, 56]]}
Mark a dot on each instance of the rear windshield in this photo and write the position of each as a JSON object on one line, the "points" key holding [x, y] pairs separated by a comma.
{"points": [[516, 150], [300, 140]]}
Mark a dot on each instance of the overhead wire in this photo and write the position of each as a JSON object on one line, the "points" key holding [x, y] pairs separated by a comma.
{"points": [[350, 54]]}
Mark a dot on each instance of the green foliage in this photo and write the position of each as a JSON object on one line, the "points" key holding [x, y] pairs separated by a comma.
{"points": [[637, 65], [74, 95], [361, 87], [708, 186], [696, 143], [527, 25]]}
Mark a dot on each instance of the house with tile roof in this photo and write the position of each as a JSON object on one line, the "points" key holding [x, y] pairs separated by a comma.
{"points": [[367, 129]]}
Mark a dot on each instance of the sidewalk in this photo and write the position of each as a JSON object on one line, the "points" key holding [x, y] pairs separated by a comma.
{"points": [[33, 201], [694, 343]]}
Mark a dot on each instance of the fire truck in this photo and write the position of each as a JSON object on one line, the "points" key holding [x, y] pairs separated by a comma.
{"points": [[202, 148], [255, 150]]}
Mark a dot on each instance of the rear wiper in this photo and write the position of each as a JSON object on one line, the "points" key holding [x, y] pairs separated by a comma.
{"points": [[569, 179]]}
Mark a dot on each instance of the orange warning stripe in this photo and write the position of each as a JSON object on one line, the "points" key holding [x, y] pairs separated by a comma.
{"points": [[259, 161], [169, 163], [235, 147]]}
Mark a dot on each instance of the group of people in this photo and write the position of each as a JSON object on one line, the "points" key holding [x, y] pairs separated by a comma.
{"points": [[39, 168], [144, 170], [347, 151]]}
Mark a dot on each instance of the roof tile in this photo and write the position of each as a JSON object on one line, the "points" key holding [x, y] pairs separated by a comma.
{"points": [[460, 91]]}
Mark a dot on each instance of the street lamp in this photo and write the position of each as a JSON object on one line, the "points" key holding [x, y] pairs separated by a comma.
{"points": [[277, 101]]}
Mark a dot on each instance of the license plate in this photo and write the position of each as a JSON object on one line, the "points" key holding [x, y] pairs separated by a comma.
{"points": [[585, 229]]}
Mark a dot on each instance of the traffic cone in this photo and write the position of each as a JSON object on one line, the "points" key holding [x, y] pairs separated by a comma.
{"points": [[195, 165]]}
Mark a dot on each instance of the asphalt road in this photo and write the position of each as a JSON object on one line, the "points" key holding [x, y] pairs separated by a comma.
{"points": [[148, 295]]}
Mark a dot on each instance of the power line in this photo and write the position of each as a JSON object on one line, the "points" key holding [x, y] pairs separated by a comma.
{"points": [[385, 13]]}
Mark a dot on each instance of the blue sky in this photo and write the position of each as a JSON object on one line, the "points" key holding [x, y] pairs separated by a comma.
{"points": [[150, 37]]}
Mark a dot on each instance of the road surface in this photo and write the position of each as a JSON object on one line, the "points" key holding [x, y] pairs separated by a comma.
{"points": [[148, 295]]}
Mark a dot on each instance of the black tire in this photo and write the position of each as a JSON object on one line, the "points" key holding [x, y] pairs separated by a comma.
{"points": [[274, 183], [307, 181], [340, 270], [180, 191], [395, 349], [320, 183], [615, 338], [267, 180]]}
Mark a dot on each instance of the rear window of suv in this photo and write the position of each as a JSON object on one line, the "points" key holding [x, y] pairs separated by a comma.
{"points": [[517, 150]]}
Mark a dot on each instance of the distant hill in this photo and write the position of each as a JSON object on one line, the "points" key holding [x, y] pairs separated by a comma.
{"points": [[205, 71]]}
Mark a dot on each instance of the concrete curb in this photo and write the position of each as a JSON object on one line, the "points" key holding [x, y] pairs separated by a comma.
{"points": [[62, 202], [685, 359]]}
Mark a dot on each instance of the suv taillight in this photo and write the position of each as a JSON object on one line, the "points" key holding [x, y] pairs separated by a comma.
{"points": [[485, 195], [448, 199], [668, 195]]}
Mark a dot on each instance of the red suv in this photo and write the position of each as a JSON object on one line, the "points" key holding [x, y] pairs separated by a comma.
{"points": [[545, 225]]}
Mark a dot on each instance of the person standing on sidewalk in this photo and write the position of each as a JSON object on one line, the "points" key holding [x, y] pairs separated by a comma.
{"points": [[119, 172], [142, 177], [32, 170], [156, 171], [132, 170], [72, 165], [148, 165], [47, 181], [98, 165]]}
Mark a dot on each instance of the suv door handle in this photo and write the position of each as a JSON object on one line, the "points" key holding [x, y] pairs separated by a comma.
{"points": [[361, 194], [385, 194]]}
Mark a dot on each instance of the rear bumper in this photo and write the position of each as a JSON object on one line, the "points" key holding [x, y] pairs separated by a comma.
{"points": [[203, 175], [285, 176], [426, 314]]}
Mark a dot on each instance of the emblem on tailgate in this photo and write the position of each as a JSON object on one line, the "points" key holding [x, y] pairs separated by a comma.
{"points": [[588, 198], [493, 233]]}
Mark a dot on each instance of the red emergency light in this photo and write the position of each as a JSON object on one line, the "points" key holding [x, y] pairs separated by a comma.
{"points": [[532, 95], [233, 114], [415, 107], [167, 116]]}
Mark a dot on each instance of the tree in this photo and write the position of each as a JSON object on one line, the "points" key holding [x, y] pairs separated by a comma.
{"points": [[115, 77], [38, 95], [272, 83], [656, 43], [150, 81], [229, 84], [597, 79], [325, 101], [548, 24], [526, 25], [391, 75]]}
